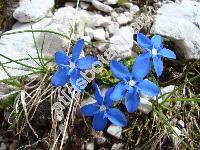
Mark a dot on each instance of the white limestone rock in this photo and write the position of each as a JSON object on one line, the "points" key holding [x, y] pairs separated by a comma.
{"points": [[99, 34], [115, 131], [102, 7], [33, 11], [20, 46], [145, 105], [84, 5], [113, 27], [99, 20], [179, 23], [62, 22], [122, 19], [122, 42], [89, 32], [111, 2]]}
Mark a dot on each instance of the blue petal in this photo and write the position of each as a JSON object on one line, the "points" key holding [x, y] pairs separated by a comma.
{"points": [[77, 81], [158, 65], [157, 41], [86, 62], [132, 100], [141, 66], [61, 58], [60, 77], [77, 49], [143, 41], [99, 121], [97, 94], [147, 87], [167, 53], [119, 70], [107, 100], [90, 109], [118, 92], [117, 117]]}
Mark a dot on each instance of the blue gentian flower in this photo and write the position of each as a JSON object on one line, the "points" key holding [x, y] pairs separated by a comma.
{"points": [[130, 85], [102, 111], [69, 68], [153, 48]]}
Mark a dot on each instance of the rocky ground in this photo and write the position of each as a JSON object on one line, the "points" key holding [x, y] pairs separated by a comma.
{"points": [[104, 25]]}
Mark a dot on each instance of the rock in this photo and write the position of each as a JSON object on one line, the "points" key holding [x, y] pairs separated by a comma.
{"points": [[99, 20], [134, 9], [70, 4], [3, 146], [165, 91], [102, 7], [20, 46], [145, 105], [62, 22], [118, 146], [181, 123], [128, 5], [122, 42], [33, 11], [99, 34], [115, 131], [87, 39], [101, 46], [122, 19], [89, 32], [180, 25], [129, 16], [84, 5], [89, 146], [114, 15], [53, 42], [86, 17], [113, 27], [111, 2]]}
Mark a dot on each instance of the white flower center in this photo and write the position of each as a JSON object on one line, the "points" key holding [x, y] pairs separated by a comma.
{"points": [[154, 51], [102, 107], [132, 83]]}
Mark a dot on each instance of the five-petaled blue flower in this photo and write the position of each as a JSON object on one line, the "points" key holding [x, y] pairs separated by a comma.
{"points": [[152, 49], [130, 84], [69, 68], [102, 112]]}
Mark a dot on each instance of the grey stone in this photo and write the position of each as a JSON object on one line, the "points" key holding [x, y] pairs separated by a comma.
{"points": [[122, 42], [115, 131], [99, 34], [111, 2], [99, 20], [20, 46], [33, 11], [117, 146], [102, 7], [113, 27], [84, 5], [122, 19], [179, 23], [89, 146]]}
